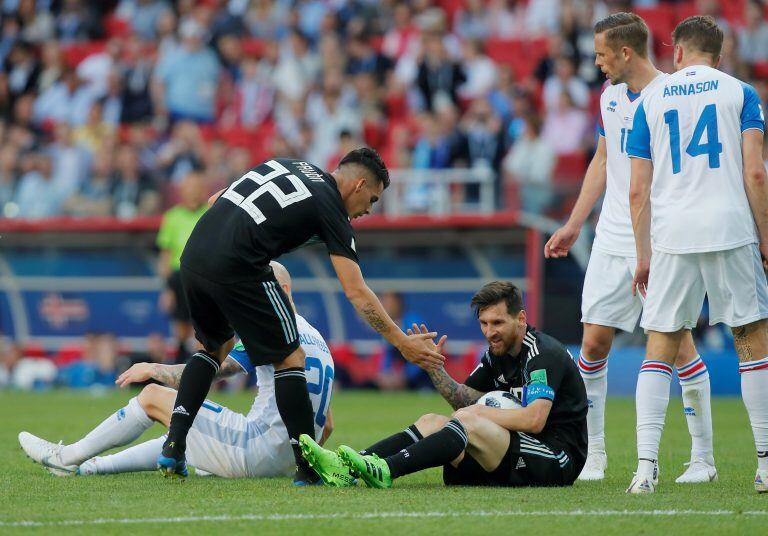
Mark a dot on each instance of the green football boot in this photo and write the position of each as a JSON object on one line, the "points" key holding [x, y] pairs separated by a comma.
{"points": [[373, 470], [326, 463]]}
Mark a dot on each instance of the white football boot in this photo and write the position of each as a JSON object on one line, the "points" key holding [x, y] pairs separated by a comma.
{"points": [[643, 483], [46, 454], [699, 471], [594, 467], [761, 481]]}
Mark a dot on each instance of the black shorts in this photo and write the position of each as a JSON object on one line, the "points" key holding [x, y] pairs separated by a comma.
{"points": [[258, 310], [528, 462], [180, 310]]}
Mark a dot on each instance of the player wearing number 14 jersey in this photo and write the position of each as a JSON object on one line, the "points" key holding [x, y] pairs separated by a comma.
{"points": [[699, 202], [608, 304], [230, 288]]}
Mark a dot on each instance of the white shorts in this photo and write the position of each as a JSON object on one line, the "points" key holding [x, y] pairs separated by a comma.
{"points": [[607, 298], [228, 444], [733, 281]]}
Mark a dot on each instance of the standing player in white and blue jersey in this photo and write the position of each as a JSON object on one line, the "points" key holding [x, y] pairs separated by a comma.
{"points": [[699, 202], [621, 52], [221, 441]]}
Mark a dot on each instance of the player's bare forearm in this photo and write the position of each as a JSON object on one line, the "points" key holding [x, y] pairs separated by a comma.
{"points": [[368, 306], [592, 188], [170, 375], [530, 419], [640, 205], [456, 394], [756, 180]]}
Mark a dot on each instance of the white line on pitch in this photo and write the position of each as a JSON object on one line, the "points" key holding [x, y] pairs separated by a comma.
{"points": [[379, 515]]}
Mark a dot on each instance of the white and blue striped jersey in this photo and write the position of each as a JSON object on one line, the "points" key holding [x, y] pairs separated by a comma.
{"points": [[618, 105], [319, 370], [691, 128]]}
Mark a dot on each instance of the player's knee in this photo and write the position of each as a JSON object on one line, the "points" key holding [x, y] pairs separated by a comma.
{"points": [[149, 396], [595, 348], [430, 423], [467, 417]]}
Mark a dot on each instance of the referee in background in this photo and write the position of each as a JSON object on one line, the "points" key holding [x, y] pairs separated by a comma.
{"points": [[175, 229]]}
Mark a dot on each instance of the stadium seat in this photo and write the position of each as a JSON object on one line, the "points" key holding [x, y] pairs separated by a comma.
{"points": [[570, 169], [661, 22], [117, 27], [451, 7], [252, 47], [67, 355], [760, 70], [521, 55], [77, 52], [34, 350]]}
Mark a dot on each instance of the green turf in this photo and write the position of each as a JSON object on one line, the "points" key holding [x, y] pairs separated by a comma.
{"points": [[28, 493]]}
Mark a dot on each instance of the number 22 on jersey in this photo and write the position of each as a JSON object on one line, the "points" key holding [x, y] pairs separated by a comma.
{"points": [[707, 123], [266, 185]]}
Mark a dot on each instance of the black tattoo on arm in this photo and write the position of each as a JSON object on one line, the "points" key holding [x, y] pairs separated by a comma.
{"points": [[373, 318], [456, 394], [170, 375]]}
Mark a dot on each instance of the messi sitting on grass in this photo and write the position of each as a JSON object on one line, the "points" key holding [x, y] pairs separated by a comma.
{"points": [[542, 443]]}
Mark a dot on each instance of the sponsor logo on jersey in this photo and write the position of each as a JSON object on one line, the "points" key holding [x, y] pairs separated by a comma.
{"points": [[612, 106]]}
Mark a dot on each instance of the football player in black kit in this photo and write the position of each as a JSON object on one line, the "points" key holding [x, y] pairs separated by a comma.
{"points": [[543, 443], [276, 207]]}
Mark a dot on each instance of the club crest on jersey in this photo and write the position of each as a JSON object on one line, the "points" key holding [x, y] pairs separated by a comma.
{"points": [[612, 106]]}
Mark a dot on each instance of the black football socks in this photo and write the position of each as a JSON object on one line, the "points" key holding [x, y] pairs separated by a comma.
{"points": [[193, 388], [435, 450], [394, 443], [295, 409]]}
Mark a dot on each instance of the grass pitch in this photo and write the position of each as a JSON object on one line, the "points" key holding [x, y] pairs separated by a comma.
{"points": [[35, 502]]}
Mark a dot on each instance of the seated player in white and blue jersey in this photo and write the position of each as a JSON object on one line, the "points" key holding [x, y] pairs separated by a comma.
{"points": [[699, 203], [221, 441]]}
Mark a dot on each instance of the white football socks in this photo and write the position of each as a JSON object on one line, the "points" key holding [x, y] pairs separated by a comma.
{"points": [[754, 391], [141, 457], [595, 376], [120, 428], [651, 401], [694, 381]]}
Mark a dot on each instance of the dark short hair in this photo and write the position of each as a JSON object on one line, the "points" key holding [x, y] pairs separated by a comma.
{"points": [[497, 292], [371, 161], [625, 30], [700, 33]]}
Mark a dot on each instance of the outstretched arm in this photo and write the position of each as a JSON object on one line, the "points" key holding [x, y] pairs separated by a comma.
{"points": [[591, 190], [456, 394], [170, 375], [417, 348]]}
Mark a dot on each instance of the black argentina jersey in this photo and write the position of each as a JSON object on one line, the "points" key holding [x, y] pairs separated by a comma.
{"points": [[542, 369], [274, 208]]}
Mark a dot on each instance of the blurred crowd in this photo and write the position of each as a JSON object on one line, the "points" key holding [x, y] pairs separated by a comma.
{"points": [[106, 106]]}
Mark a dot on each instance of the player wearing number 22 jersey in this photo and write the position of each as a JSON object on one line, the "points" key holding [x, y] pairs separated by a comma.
{"points": [[274, 208]]}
